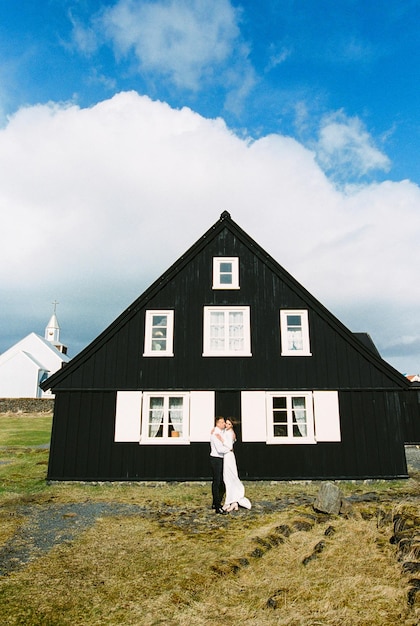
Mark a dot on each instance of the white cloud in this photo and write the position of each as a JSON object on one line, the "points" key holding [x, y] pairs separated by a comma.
{"points": [[277, 57], [83, 38], [96, 203], [183, 40], [345, 146]]}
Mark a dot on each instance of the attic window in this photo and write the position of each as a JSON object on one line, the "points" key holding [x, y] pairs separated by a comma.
{"points": [[225, 273], [294, 328], [159, 331]]}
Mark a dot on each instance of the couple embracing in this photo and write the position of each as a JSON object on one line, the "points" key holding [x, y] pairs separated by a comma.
{"points": [[224, 469]]}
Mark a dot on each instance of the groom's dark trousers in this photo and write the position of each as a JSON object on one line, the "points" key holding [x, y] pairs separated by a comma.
{"points": [[217, 486]]}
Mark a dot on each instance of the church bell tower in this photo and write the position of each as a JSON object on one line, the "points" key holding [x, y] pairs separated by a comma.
{"points": [[52, 332]]}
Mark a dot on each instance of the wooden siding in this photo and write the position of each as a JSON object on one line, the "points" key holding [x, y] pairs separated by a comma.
{"points": [[82, 446], [119, 363], [411, 416]]}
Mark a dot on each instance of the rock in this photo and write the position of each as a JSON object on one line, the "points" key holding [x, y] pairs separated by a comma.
{"points": [[414, 591], [263, 543], [257, 553], [278, 599], [317, 549], [283, 529], [411, 567], [329, 499], [329, 531]]}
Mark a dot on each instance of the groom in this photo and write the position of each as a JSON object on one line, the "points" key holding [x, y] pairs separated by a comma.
{"points": [[217, 452]]}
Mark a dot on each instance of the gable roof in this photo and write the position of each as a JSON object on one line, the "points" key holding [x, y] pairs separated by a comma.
{"points": [[32, 360], [359, 341], [38, 348]]}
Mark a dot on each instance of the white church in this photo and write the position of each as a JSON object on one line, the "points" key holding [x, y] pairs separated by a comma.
{"points": [[30, 361]]}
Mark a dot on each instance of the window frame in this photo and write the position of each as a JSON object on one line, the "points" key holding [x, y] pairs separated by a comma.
{"points": [[285, 350], [207, 351], [310, 419], [148, 332], [145, 438], [217, 272]]}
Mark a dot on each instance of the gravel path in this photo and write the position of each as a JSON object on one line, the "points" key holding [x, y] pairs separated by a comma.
{"points": [[49, 525]]}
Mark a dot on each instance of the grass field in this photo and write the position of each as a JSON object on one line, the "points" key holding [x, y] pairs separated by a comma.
{"points": [[24, 430], [171, 561]]}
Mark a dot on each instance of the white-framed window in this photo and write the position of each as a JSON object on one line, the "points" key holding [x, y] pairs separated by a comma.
{"points": [[290, 417], [159, 333], [148, 417], [294, 330], [165, 418], [227, 331], [225, 272]]}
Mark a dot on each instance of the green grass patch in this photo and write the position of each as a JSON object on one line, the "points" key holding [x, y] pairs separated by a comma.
{"points": [[25, 429], [23, 459], [22, 471]]}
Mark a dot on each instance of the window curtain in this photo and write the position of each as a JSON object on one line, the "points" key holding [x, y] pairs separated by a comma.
{"points": [[176, 409], [295, 339], [299, 417], [155, 416], [236, 330], [217, 330], [159, 332], [294, 332]]}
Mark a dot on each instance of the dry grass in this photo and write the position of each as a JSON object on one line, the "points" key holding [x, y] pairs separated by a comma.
{"points": [[177, 564], [140, 571]]}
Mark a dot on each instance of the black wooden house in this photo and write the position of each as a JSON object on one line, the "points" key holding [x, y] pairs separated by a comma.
{"points": [[227, 331]]}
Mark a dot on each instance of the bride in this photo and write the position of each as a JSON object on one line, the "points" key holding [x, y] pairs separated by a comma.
{"points": [[235, 491]]}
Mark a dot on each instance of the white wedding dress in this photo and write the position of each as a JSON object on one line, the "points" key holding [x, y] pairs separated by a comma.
{"points": [[235, 491]]}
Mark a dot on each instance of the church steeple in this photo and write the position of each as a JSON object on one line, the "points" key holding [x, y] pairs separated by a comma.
{"points": [[52, 331]]}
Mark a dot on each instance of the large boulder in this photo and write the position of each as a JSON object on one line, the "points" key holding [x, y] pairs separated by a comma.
{"points": [[329, 499]]}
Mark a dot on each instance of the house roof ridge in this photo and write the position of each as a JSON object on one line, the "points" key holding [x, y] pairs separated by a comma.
{"points": [[225, 221]]}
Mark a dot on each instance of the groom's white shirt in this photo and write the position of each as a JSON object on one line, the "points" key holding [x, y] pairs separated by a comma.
{"points": [[217, 448]]}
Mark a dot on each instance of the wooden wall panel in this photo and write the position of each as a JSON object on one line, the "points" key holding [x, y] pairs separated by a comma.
{"points": [[83, 448]]}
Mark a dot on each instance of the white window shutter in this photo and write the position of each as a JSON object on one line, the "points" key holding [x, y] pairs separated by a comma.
{"points": [[128, 416], [201, 415], [254, 423], [327, 416]]}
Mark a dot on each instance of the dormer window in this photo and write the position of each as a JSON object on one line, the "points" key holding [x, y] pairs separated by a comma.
{"points": [[225, 272]]}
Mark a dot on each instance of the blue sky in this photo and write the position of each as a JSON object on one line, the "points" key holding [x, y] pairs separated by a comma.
{"points": [[311, 106], [272, 67]]}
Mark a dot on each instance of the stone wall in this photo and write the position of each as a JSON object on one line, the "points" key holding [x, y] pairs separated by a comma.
{"points": [[26, 405]]}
